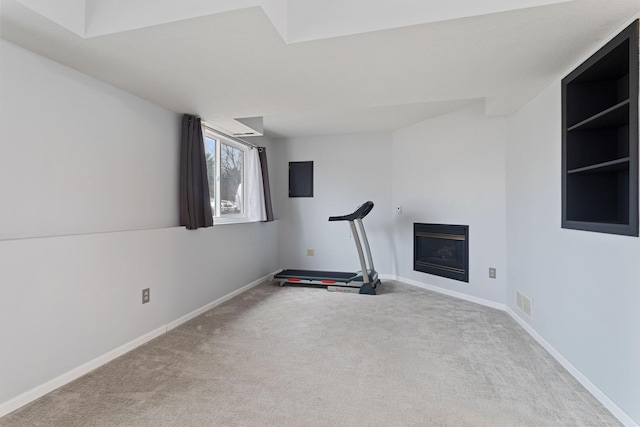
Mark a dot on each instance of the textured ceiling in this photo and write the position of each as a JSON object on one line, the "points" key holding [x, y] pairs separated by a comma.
{"points": [[241, 59]]}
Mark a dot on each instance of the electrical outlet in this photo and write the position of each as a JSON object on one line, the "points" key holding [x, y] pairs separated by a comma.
{"points": [[146, 295], [310, 252], [492, 273]]}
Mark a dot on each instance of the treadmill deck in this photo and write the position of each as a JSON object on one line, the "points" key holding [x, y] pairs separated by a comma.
{"points": [[337, 276]]}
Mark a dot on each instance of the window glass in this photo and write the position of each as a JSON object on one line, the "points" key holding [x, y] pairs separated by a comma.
{"points": [[231, 174], [225, 173], [210, 152]]}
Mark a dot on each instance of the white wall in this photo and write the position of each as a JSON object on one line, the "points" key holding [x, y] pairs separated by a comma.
{"points": [[451, 170], [80, 163], [78, 156], [348, 171], [585, 286]]}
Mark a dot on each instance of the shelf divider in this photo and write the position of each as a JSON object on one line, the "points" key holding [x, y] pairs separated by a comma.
{"points": [[618, 164], [603, 115]]}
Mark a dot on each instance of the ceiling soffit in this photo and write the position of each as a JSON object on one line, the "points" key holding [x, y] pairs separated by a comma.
{"points": [[295, 20]]}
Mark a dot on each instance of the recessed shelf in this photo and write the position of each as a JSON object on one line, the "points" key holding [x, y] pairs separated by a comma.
{"points": [[600, 139], [615, 116]]}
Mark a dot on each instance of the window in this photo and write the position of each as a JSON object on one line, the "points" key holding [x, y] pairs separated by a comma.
{"points": [[226, 175]]}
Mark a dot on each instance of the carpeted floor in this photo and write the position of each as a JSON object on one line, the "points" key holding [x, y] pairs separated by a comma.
{"points": [[298, 356]]}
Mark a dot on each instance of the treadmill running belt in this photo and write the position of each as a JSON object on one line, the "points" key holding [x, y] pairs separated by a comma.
{"points": [[316, 275]]}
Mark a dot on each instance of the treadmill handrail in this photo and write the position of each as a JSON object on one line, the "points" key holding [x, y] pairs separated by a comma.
{"points": [[362, 211]]}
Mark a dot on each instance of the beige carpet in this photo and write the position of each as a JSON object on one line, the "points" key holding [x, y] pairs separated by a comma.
{"points": [[306, 357]]}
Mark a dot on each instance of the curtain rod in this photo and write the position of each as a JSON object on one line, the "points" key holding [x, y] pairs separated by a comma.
{"points": [[224, 135]]}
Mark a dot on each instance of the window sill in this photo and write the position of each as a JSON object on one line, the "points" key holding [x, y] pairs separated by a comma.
{"points": [[231, 220]]}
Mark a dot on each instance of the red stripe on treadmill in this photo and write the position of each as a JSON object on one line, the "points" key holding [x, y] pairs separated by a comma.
{"points": [[293, 279], [328, 282]]}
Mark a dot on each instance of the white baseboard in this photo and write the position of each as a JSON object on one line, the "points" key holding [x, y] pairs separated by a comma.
{"points": [[39, 391], [579, 376], [217, 302], [49, 386], [459, 295], [617, 412]]}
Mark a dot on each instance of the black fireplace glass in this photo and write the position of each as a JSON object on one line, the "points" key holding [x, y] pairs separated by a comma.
{"points": [[442, 250]]}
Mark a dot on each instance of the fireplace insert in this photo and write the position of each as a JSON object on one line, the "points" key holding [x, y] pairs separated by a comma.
{"points": [[442, 250]]}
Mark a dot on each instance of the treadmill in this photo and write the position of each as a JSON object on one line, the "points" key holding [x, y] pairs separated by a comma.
{"points": [[364, 281]]}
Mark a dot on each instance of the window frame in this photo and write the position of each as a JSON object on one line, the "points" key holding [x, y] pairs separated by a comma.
{"points": [[218, 216]]}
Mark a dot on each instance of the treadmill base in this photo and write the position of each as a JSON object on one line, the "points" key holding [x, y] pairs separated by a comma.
{"points": [[364, 288], [345, 289]]}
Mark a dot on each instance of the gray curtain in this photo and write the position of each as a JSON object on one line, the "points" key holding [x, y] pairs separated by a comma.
{"points": [[195, 208], [265, 181]]}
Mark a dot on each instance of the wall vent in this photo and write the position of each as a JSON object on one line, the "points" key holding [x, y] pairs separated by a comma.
{"points": [[525, 304]]}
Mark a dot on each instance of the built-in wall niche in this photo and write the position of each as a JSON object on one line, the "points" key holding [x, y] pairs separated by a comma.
{"points": [[600, 139], [301, 179]]}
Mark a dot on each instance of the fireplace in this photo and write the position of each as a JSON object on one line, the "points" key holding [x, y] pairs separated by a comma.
{"points": [[442, 250]]}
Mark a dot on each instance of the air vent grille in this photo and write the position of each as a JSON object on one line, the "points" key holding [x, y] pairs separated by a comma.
{"points": [[525, 304]]}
